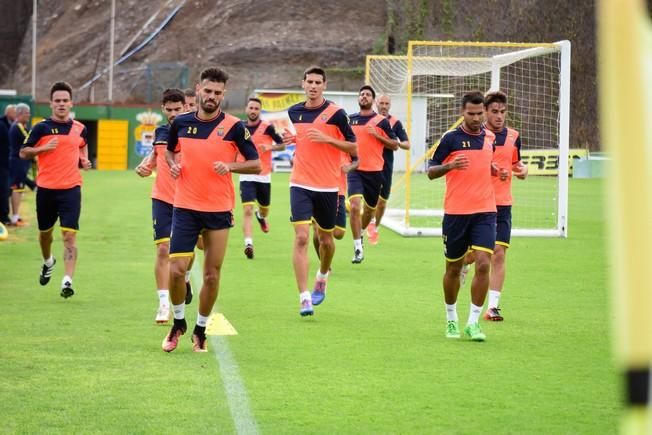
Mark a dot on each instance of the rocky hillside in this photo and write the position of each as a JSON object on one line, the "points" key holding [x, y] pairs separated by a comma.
{"points": [[267, 43]]}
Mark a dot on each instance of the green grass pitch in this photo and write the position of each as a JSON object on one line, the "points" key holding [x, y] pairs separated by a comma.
{"points": [[372, 360]]}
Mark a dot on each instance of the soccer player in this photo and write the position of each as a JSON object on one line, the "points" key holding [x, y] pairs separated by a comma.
{"points": [[162, 195], [464, 156], [322, 134], [384, 104], [374, 135], [507, 154], [61, 147], [18, 167], [208, 141], [257, 189], [190, 100]]}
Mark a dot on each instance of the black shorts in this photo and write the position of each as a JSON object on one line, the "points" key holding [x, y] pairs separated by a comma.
{"points": [[365, 184], [385, 189], [255, 191], [503, 225], [161, 220], [340, 219], [463, 231], [62, 204], [187, 225], [306, 205]]}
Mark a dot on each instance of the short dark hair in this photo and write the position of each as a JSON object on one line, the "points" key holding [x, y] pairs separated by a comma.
{"points": [[369, 88], [189, 92], [173, 95], [473, 97], [256, 100], [315, 70], [61, 86], [214, 75], [494, 97]]}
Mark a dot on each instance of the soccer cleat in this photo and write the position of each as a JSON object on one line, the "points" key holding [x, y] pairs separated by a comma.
{"points": [[452, 329], [19, 223], [66, 290], [306, 308], [46, 272], [163, 315], [372, 233], [199, 342], [188, 293], [172, 339], [358, 256], [464, 273], [264, 226], [249, 251], [493, 314], [474, 332], [319, 292]]}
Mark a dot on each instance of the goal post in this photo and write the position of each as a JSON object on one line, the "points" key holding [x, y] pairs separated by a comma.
{"points": [[426, 86]]}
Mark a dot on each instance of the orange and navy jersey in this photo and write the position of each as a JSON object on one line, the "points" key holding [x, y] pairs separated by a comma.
{"points": [[370, 149], [264, 134], [507, 152], [401, 136], [470, 190], [317, 165], [202, 143], [59, 168], [164, 185]]}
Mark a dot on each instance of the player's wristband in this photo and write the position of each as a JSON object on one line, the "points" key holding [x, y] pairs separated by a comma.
{"points": [[354, 158]]}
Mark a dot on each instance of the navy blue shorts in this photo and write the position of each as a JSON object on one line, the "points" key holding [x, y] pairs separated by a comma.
{"points": [[161, 220], [365, 184], [254, 191], [463, 231], [19, 169], [306, 205], [62, 204], [187, 225], [387, 181], [504, 225], [340, 219]]}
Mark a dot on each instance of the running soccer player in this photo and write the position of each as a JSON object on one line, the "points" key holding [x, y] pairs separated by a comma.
{"points": [[257, 189], [374, 135], [162, 195], [507, 154], [61, 147], [464, 156], [322, 134], [384, 104], [209, 141]]}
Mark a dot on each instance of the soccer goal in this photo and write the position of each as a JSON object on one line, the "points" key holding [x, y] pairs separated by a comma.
{"points": [[426, 87]]}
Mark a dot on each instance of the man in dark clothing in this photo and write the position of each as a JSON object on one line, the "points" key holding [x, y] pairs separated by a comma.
{"points": [[5, 191]]}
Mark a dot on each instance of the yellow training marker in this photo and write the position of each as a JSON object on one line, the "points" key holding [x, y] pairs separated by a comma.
{"points": [[218, 325]]}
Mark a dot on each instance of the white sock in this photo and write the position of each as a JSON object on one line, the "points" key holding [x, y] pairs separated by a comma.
{"points": [[49, 262], [304, 295], [163, 296], [248, 241], [187, 276], [202, 320], [321, 276], [66, 281], [494, 298], [357, 244], [474, 314], [14, 218], [451, 312], [179, 311], [258, 216]]}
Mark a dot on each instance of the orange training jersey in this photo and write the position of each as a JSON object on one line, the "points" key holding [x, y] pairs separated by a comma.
{"points": [[59, 168], [370, 149], [317, 165], [470, 190], [164, 185], [202, 143], [507, 153]]}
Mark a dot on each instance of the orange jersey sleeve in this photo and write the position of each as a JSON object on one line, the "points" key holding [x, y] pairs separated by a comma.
{"points": [[507, 153]]}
